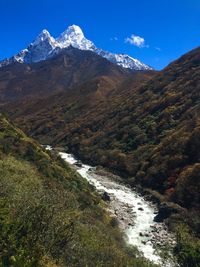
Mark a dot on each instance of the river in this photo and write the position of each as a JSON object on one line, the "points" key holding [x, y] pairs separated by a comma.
{"points": [[134, 214]]}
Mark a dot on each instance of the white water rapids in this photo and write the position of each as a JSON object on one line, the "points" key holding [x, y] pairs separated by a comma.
{"points": [[134, 213]]}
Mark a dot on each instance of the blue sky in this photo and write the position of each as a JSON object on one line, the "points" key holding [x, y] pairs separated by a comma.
{"points": [[154, 31]]}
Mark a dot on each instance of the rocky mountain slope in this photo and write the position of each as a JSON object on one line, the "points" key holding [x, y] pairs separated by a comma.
{"points": [[45, 46], [70, 68]]}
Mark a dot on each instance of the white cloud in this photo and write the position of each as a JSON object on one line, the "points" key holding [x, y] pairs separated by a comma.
{"points": [[136, 40], [114, 39], [158, 49]]}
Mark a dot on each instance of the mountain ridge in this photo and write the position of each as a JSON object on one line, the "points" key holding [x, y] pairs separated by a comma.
{"points": [[70, 68], [45, 46]]}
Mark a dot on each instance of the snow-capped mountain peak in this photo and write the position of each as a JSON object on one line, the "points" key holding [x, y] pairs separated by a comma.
{"points": [[74, 36], [74, 30], [40, 48], [42, 36], [45, 46]]}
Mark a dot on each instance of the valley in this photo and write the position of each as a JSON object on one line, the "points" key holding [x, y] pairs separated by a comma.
{"points": [[134, 214], [49, 214], [136, 134]]}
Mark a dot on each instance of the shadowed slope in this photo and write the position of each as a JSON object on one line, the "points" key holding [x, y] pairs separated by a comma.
{"points": [[70, 68]]}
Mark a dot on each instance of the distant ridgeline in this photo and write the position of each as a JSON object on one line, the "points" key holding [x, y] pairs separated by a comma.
{"points": [[45, 46]]}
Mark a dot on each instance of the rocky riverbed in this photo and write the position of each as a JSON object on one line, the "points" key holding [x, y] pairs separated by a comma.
{"points": [[134, 214]]}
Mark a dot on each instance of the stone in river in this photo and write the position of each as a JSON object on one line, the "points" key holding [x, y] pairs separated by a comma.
{"points": [[129, 210], [141, 209], [78, 163], [105, 196]]}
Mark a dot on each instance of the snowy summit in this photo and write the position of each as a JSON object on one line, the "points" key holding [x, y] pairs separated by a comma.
{"points": [[45, 46]]}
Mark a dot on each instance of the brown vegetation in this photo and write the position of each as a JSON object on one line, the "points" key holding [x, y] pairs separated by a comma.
{"points": [[146, 129]]}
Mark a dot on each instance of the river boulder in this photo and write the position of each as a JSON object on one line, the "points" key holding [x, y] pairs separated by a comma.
{"points": [[166, 209], [105, 196], [78, 163]]}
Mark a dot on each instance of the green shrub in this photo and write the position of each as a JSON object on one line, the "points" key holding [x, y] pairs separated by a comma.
{"points": [[187, 249]]}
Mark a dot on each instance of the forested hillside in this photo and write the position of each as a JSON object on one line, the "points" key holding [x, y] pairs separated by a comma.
{"points": [[49, 215], [144, 126], [148, 133]]}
